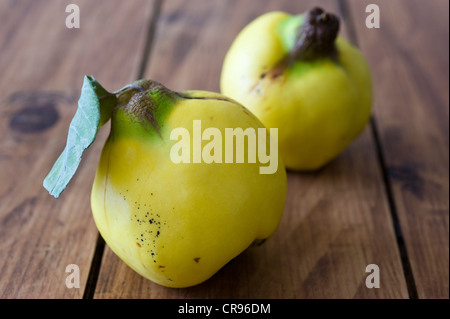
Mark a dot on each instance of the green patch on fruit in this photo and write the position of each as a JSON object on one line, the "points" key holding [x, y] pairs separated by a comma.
{"points": [[141, 115], [287, 31]]}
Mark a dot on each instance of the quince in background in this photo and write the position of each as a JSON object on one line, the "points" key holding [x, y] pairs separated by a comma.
{"points": [[295, 73]]}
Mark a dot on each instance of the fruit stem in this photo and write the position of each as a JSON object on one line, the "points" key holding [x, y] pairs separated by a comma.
{"points": [[316, 36], [129, 86], [144, 100]]}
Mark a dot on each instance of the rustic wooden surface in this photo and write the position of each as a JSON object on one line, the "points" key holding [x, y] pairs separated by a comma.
{"points": [[383, 201], [411, 116]]}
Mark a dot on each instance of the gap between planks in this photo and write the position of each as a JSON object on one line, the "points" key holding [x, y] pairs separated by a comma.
{"points": [[407, 269]]}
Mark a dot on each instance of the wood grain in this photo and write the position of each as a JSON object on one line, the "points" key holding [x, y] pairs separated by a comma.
{"points": [[42, 65], [409, 57], [336, 221]]}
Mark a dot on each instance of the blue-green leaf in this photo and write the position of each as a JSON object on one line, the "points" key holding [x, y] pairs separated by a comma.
{"points": [[94, 109]]}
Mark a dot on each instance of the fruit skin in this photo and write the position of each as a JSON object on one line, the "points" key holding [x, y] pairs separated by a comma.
{"points": [[319, 105], [178, 224]]}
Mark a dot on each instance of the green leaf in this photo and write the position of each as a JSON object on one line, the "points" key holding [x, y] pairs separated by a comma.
{"points": [[94, 109]]}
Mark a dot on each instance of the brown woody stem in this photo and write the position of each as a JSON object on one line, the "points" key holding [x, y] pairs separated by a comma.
{"points": [[316, 36]]}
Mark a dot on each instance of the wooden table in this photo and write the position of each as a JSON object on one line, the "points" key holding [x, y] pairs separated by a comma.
{"points": [[384, 201]]}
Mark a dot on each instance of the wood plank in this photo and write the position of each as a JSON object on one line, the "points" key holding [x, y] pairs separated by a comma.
{"points": [[43, 64], [409, 57], [336, 221]]}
